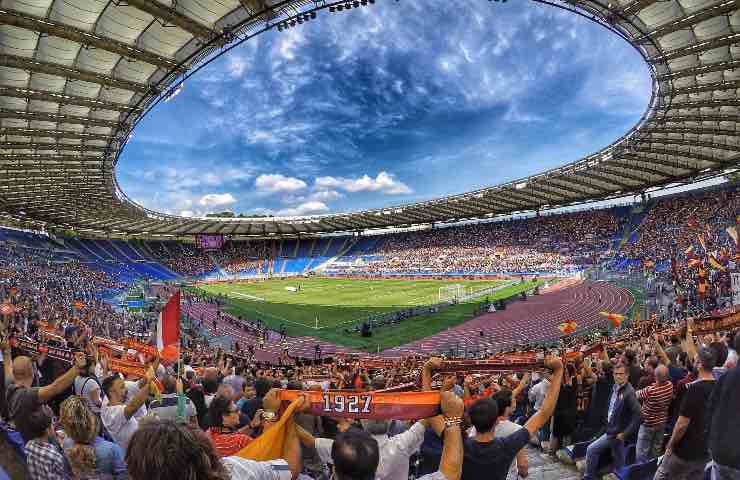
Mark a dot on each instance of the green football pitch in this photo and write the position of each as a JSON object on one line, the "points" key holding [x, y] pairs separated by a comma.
{"points": [[326, 307]]}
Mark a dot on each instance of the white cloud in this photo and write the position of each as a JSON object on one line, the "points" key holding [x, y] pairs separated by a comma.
{"points": [[213, 200], [275, 182], [384, 182], [306, 208], [187, 213]]}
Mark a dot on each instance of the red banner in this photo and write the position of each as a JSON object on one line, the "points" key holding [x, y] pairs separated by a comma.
{"points": [[376, 405], [140, 347]]}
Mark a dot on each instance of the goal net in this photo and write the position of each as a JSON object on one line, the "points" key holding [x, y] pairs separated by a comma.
{"points": [[451, 293]]}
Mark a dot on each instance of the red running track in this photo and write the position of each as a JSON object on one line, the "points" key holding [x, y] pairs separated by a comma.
{"points": [[530, 321]]}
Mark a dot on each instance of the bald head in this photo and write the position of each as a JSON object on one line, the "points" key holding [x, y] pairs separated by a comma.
{"points": [[661, 374], [22, 368]]}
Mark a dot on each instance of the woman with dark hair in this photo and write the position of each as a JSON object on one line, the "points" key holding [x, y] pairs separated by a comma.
{"points": [[224, 432], [166, 450], [89, 455]]}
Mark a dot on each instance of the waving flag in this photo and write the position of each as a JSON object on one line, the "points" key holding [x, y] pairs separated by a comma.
{"points": [[568, 327], [614, 318], [714, 263], [689, 250], [702, 242], [168, 328], [693, 263], [732, 232]]}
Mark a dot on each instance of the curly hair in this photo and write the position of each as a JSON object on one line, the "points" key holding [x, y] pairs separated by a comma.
{"points": [[80, 424], [163, 450]]}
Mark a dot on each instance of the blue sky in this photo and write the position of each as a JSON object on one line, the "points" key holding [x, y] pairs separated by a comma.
{"points": [[392, 103]]}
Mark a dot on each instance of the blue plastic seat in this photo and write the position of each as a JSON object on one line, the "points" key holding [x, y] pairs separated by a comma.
{"points": [[638, 471]]}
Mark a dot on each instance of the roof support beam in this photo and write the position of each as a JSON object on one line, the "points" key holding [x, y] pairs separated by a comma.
{"points": [[44, 159], [507, 204], [676, 152], [611, 169], [698, 130], [64, 99], [636, 6], [31, 65], [700, 69], [609, 181], [50, 146], [651, 161], [691, 143], [41, 133], [549, 188], [707, 87], [573, 180], [689, 21], [697, 118], [56, 118], [729, 102], [528, 195], [52, 28], [696, 48], [156, 9]]}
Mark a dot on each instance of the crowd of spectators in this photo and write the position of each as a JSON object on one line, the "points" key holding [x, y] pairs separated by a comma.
{"points": [[183, 258], [674, 397], [552, 243]]}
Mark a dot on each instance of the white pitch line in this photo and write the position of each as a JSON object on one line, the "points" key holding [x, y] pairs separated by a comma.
{"points": [[249, 297]]}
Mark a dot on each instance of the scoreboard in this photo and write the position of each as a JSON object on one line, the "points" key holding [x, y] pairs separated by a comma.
{"points": [[209, 242]]}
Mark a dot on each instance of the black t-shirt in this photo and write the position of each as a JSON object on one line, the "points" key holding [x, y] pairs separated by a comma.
{"points": [[491, 460], [693, 445]]}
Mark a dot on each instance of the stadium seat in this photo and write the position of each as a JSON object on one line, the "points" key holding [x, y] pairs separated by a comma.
{"points": [[638, 471]]}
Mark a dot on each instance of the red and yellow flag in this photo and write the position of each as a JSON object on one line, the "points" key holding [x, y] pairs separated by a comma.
{"points": [[688, 250], [615, 319], [714, 263], [568, 327], [693, 263]]}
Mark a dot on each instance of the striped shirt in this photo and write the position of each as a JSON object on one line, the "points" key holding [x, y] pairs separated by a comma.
{"points": [[655, 402], [227, 443]]}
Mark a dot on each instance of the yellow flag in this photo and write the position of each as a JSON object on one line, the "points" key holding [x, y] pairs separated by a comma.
{"points": [[270, 445]]}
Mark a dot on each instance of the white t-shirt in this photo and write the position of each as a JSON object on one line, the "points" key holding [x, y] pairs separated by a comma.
{"points": [[120, 428]]}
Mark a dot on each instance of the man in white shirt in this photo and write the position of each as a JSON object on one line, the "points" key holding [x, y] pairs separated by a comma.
{"points": [[119, 418], [537, 396], [394, 451]]}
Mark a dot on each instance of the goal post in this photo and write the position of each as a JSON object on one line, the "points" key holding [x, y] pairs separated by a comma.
{"points": [[451, 293]]}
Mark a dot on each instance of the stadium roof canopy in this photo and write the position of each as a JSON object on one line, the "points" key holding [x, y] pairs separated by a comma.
{"points": [[76, 76]]}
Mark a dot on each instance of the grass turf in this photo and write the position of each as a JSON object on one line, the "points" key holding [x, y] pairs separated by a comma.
{"points": [[342, 303]]}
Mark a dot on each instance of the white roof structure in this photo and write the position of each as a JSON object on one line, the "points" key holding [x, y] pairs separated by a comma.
{"points": [[76, 76]]}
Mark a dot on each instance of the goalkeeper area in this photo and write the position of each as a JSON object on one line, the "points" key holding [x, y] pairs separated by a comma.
{"points": [[326, 307]]}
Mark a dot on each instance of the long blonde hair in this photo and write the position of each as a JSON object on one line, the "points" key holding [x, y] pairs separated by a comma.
{"points": [[80, 424]]}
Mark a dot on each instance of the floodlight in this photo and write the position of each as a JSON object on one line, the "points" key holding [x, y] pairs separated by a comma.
{"points": [[340, 8], [300, 19], [313, 14], [356, 4], [292, 23], [331, 8]]}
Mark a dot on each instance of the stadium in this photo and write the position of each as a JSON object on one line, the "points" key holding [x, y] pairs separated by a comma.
{"points": [[611, 279]]}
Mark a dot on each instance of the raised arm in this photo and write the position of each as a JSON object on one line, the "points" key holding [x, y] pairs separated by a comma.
{"points": [[661, 353], [62, 383], [138, 400], [452, 451], [551, 397], [427, 371], [7, 361], [522, 385], [690, 345]]}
